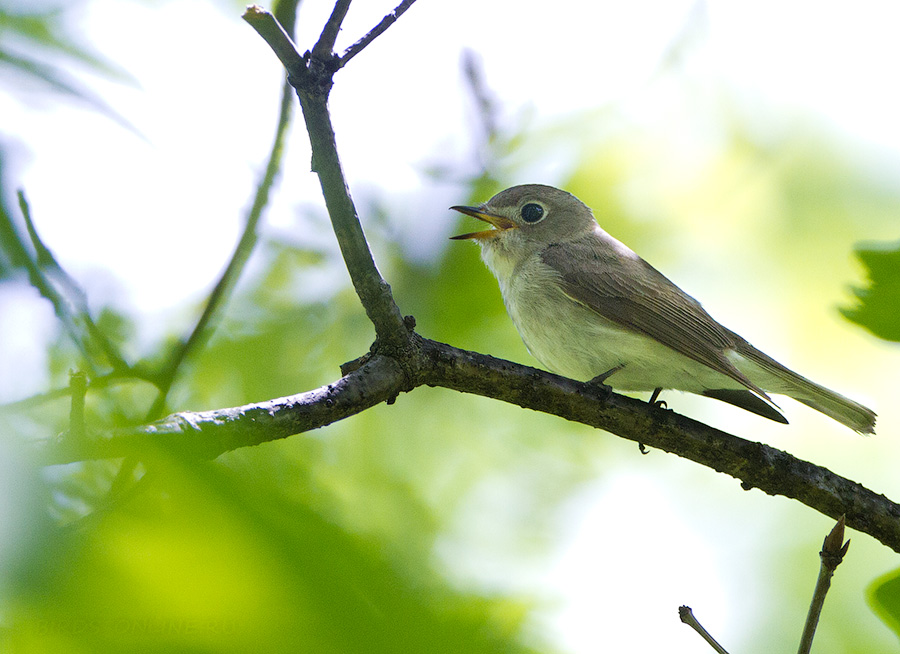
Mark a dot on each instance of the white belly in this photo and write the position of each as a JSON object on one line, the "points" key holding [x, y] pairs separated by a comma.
{"points": [[573, 340]]}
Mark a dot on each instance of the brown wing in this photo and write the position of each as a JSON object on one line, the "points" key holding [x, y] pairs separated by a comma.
{"points": [[632, 293]]}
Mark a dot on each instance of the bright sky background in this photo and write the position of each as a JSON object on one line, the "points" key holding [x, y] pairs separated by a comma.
{"points": [[108, 202], [105, 199]]}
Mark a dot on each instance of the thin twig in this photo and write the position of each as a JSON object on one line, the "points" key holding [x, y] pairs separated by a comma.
{"points": [[687, 617], [274, 34], [313, 84], [39, 279], [224, 287], [375, 32], [491, 140], [78, 383], [477, 86], [221, 292], [134, 374], [373, 291], [833, 551], [67, 297], [324, 47]]}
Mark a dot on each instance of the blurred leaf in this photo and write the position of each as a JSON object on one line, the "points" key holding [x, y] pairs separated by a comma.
{"points": [[52, 46], [207, 559], [48, 30], [884, 598], [879, 304]]}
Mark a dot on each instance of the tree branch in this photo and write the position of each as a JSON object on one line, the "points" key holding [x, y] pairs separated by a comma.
{"points": [[312, 78], [373, 291], [687, 617], [834, 549], [274, 34], [324, 47], [375, 32], [67, 297], [379, 378], [207, 434], [403, 360]]}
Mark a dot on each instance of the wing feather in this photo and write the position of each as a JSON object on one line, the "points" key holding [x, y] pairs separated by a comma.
{"points": [[626, 290]]}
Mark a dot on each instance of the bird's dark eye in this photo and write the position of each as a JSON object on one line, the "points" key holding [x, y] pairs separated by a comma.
{"points": [[531, 212]]}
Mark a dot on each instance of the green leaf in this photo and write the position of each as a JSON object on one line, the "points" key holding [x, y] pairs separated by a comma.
{"points": [[884, 598], [48, 31], [207, 559], [50, 48], [878, 309]]}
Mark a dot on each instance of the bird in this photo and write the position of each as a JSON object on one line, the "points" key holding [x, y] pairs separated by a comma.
{"points": [[588, 308]]}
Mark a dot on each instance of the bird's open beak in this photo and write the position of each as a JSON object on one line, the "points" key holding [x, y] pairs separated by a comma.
{"points": [[500, 223]]}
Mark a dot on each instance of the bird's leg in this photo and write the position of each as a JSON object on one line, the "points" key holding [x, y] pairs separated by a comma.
{"points": [[599, 381], [657, 403], [601, 378], [661, 403]]}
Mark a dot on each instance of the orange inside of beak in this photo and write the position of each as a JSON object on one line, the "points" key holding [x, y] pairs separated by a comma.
{"points": [[500, 223]]}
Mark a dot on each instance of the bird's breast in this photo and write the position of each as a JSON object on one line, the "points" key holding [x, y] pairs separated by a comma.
{"points": [[562, 334]]}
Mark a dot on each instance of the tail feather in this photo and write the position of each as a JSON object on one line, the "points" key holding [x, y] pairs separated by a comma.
{"points": [[857, 417], [787, 382]]}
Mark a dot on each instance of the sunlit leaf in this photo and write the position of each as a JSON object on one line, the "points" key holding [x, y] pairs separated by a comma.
{"points": [[884, 598], [878, 309], [205, 559]]}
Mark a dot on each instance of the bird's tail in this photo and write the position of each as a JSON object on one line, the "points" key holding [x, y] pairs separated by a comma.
{"points": [[843, 409], [787, 382]]}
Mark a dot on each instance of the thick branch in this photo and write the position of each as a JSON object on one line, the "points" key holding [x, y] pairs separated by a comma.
{"points": [[207, 434], [431, 363]]}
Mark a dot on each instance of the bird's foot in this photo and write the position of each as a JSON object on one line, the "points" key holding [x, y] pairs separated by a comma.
{"points": [[660, 404]]}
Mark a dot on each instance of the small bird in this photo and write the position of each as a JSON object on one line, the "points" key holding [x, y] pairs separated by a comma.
{"points": [[589, 308]]}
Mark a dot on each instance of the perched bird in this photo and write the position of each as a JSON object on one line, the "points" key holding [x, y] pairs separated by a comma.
{"points": [[589, 308]]}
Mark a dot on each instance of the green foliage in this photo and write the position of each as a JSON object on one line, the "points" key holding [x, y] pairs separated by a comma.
{"points": [[207, 559], [878, 309], [29, 39], [884, 598], [351, 539]]}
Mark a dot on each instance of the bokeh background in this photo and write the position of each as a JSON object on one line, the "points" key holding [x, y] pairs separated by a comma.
{"points": [[744, 149]]}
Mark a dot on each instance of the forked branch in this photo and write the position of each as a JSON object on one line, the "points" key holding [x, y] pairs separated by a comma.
{"points": [[401, 360]]}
